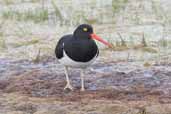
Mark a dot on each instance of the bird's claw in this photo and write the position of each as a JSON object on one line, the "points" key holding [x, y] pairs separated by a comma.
{"points": [[68, 86]]}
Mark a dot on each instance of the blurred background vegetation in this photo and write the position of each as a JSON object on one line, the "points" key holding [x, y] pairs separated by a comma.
{"points": [[32, 27]]}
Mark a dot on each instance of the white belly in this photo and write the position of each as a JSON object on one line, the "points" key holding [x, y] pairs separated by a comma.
{"points": [[66, 61]]}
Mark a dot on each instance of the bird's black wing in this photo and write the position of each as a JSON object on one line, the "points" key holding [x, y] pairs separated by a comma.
{"points": [[81, 50], [97, 53], [60, 46]]}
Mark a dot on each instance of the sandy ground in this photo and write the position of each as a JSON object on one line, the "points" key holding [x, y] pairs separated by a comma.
{"points": [[112, 87]]}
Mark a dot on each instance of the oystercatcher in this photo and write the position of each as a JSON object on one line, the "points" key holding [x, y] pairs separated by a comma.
{"points": [[78, 50]]}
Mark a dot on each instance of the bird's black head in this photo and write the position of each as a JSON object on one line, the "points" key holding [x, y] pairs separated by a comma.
{"points": [[83, 31]]}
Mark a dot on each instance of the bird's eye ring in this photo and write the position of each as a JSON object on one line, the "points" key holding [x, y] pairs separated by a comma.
{"points": [[85, 29]]}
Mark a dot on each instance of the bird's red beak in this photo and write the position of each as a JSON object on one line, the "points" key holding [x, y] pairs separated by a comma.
{"points": [[94, 36]]}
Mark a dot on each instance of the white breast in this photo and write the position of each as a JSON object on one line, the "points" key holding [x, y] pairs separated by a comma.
{"points": [[67, 61]]}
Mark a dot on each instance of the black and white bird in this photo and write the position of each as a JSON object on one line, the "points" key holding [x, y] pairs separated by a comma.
{"points": [[78, 50]]}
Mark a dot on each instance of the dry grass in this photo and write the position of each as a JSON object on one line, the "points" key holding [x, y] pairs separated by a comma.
{"points": [[124, 46], [25, 43], [147, 64], [149, 50]]}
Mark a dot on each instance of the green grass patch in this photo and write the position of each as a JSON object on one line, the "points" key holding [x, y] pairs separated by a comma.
{"points": [[2, 43], [8, 2], [57, 11], [91, 21], [118, 4], [38, 15], [2, 40], [163, 43], [35, 1]]}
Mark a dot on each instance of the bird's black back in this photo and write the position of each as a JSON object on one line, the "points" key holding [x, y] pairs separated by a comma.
{"points": [[80, 50]]}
